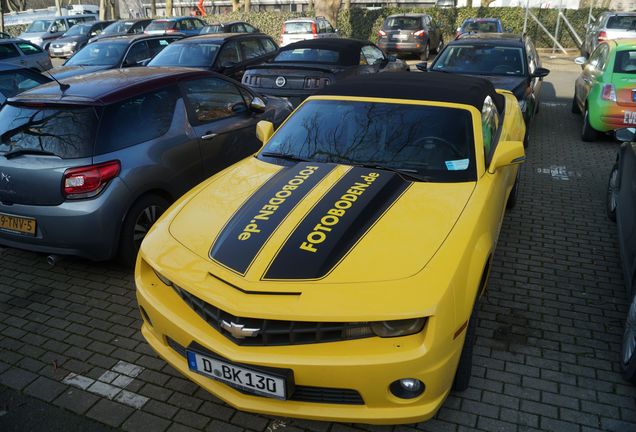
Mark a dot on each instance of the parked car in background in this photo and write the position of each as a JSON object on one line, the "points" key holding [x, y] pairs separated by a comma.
{"points": [[16, 79], [25, 54], [42, 32], [621, 207], [122, 27], [230, 27], [605, 92], [114, 53], [509, 61], [356, 244], [76, 38], [188, 26], [480, 25], [416, 34], [299, 29], [300, 69], [608, 25], [113, 150], [227, 53]]}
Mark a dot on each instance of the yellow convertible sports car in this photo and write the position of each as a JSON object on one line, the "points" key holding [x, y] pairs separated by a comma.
{"points": [[335, 275]]}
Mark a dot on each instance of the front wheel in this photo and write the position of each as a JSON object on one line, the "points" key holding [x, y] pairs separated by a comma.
{"points": [[575, 106], [628, 351], [425, 54], [612, 193], [141, 217], [465, 366], [588, 133]]}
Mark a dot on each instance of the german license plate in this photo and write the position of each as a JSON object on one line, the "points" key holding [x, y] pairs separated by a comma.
{"points": [[18, 224], [400, 37], [247, 379]]}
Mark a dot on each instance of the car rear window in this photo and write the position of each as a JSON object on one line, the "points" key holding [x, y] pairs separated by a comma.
{"points": [[625, 62], [66, 132], [622, 22], [118, 27], [297, 27], [433, 142], [187, 54], [480, 26], [161, 25], [403, 23], [17, 81], [310, 55], [481, 60]]}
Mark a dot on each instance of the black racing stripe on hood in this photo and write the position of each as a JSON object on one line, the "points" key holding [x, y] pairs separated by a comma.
{"points": [[336, 224], [244, 235]]}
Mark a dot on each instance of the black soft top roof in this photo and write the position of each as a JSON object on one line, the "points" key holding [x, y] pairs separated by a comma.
{"points": [[428, 86], [349, 49]]}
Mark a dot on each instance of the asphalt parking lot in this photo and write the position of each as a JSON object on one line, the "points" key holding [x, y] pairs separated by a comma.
{"points": [[546, 357]]}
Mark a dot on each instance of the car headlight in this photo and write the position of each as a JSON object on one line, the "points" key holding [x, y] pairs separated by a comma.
{"points": [[397, 328], [73, 44]]}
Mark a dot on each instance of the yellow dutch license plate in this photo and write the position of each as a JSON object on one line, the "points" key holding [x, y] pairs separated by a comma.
{"points": [[18, 224]]}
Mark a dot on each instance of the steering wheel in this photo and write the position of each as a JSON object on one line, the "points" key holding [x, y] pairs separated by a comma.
{"points": [[437, 141]]}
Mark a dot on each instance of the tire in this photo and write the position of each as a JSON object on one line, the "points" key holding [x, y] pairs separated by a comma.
{"points": [[612, 193], [425, 54], [141, 216], [628, 348], [588, 133], [440, 46], [465, 366], [575, 106], [514, 193]]}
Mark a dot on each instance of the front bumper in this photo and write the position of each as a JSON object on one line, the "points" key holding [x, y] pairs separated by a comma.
{"points": [[63, 51], [367, 366]]}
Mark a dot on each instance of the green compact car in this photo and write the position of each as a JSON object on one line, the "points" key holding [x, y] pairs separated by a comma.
{"points": [[605, 92]]}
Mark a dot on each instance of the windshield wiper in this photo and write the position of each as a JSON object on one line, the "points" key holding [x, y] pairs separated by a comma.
{"points": [[404, 172], [285, 156], [19, 152]]}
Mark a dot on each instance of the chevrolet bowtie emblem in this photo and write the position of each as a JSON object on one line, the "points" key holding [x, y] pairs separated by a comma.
{"points": [[238, 330]]}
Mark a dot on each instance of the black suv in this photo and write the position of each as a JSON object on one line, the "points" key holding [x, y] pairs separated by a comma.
{"points": [[410, 34]]}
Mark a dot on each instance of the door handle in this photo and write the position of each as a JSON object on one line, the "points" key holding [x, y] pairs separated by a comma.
{"points": [[208, 136]]}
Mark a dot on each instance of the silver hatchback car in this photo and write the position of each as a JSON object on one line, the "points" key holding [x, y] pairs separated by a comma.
{"points": [[88, 165], [24, 54]]}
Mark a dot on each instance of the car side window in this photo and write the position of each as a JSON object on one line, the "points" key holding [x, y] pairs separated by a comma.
{"points": [[530, 56], [28, 48], [197, 23], [239, 28], [249, 28], [229, 53], [489, 126], [211, 99], [251, 48], [8, 51], [137, 28], [136, 120], [268, 45], [372, 54], [137, 53], [60, 24], [156, 45]]}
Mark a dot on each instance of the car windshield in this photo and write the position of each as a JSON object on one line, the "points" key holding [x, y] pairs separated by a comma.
{"points": [[402, 23], [118, 27], [98, 54], [297, 27], [480, 26], [622, 22], [481, 60], [187, 54], [39, 26], [77, 30], [160, 25], [64, 132], [14, 82], [311, 55], [431, 142]]}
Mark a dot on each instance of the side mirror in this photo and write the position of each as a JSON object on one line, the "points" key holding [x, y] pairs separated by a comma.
{"points": [[540, 73], [264, 131], [258, 105], [580, 60], [507, 153], [423, 66], [625, 134]]}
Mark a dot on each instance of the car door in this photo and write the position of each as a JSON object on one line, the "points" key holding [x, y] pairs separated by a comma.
{"points": [[221, 122], [136, 54], [230, 60], [626, 212], [591, 74], [9, 53], [33, 56]]}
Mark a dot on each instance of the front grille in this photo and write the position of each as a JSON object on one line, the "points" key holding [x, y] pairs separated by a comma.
{"points": [[276, 332], [300, 393]]}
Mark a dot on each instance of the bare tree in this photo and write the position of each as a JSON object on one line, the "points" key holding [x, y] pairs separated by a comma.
{"points": [[2, 9], [102, 10], [153, 8], [346, 4], [248, 5], [15, 5], [329, 9], [168, 8], [236, 5], [58, 7]]}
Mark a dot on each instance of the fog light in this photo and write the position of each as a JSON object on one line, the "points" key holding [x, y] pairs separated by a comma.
{"points": [[407, 388]]}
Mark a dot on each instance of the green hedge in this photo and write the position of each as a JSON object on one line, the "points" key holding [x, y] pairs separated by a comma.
{"points": [[364, 24]]}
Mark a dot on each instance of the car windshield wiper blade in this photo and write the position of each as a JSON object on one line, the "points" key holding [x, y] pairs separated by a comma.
{"points": [[405, 172], [20, 152], [285, 156]]}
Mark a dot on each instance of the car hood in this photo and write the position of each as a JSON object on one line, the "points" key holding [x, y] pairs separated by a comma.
{"points": [[515, 84], [317, 222], [62, 72]]}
